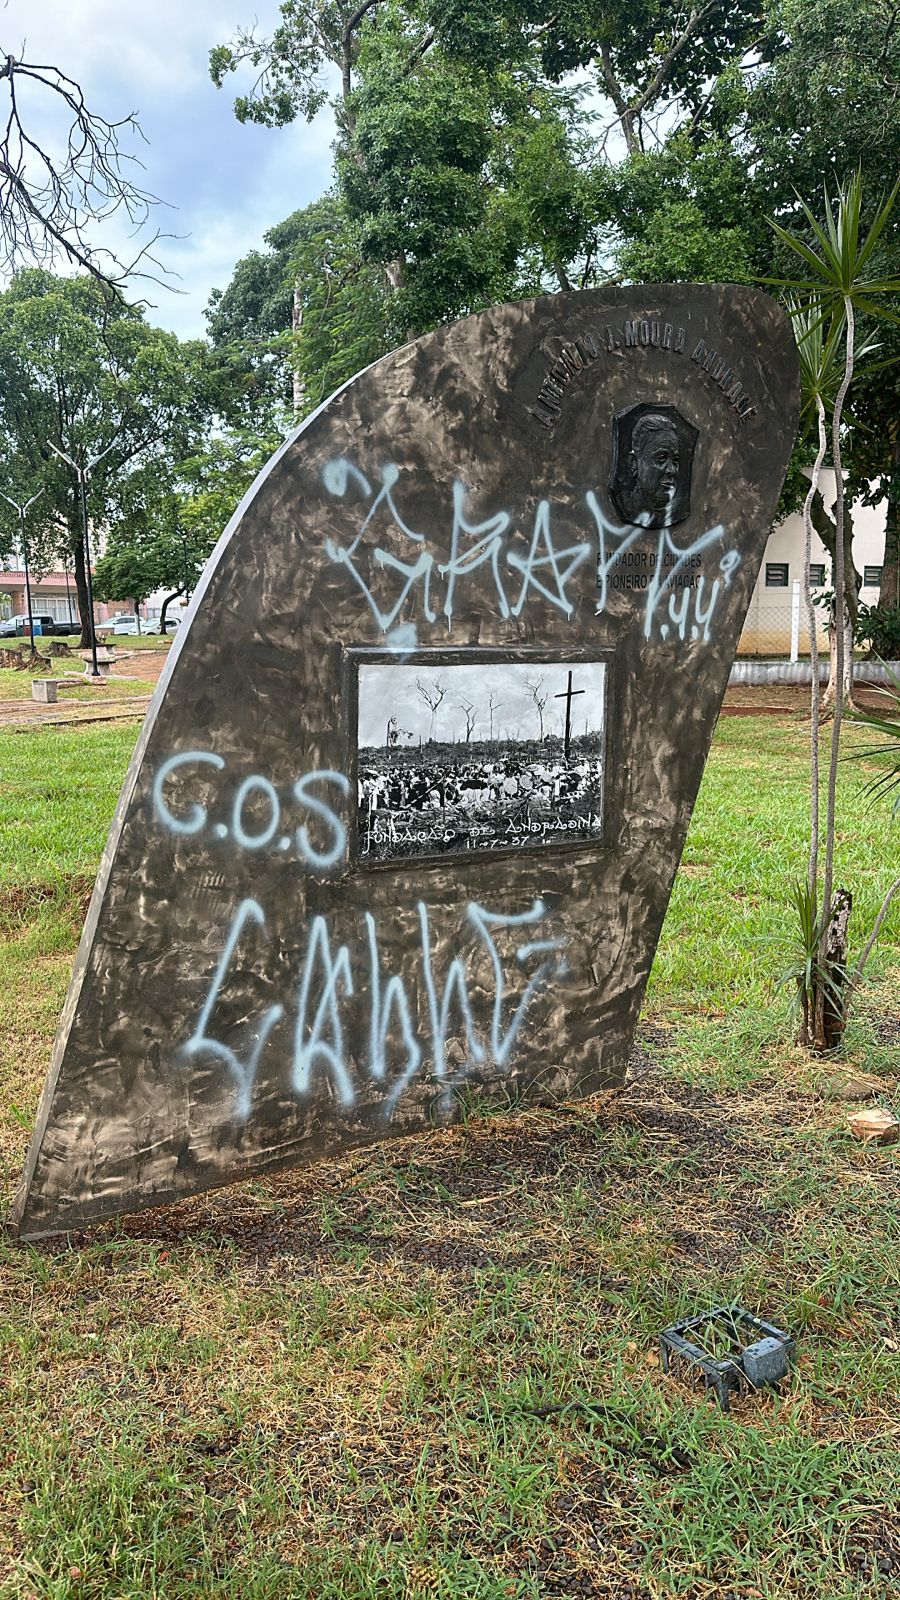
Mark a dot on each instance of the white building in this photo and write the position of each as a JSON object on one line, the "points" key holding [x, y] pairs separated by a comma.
{"points": [[767, 630]]}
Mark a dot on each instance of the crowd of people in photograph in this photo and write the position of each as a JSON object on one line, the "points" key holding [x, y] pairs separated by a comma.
{"points": [[446, 803]]}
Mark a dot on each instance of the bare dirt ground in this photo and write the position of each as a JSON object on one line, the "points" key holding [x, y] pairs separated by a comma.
{"points": [[788, 699]]}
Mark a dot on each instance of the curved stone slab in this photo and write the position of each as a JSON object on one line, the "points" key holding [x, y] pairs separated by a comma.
{"points": [[255, 987]]}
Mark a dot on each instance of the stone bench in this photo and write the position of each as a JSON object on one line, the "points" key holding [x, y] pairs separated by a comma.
{"points": [[45, 690]]}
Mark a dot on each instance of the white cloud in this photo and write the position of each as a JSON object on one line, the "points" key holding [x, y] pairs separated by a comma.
{"points": [[156, 49]]}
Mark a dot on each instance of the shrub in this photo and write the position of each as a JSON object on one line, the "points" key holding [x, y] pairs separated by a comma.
{"points": [[878, 628]]}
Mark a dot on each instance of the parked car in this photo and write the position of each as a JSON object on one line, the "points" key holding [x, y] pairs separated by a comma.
{"points": [[17, 627], [126, 623]]}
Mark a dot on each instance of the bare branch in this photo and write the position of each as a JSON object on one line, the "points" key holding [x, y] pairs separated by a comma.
{"points": [[629, 112], [876, 929], [49, 202], [617, 96], [668, 61], [353, 21]]}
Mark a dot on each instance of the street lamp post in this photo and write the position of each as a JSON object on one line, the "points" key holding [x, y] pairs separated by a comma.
{"points": [[82, 474], [23, 511]]}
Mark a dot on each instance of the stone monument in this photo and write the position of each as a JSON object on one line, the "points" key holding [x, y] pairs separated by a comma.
{"points": [[402, 823]]}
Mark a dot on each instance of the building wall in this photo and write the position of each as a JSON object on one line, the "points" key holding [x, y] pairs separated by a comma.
{"points": [[767, 631], [50, 595]]}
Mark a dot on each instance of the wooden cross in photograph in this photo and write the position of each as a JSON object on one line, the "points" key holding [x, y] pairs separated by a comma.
{"points": [[568, 695]]}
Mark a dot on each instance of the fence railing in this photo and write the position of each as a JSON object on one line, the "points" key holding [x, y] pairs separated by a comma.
{"points": [[777, 625]]}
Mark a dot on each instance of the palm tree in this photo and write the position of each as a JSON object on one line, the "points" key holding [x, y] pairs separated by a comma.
{"points": [[839, 283]]}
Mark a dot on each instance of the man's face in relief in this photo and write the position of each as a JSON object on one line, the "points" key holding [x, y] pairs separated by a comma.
{"points": [[654, 462]]}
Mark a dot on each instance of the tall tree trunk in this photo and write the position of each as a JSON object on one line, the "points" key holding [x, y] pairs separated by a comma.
{"points": [[835, 671], [889, 594], [395, 280], [395, 273], [81, 591], [297, 379], [826, 528], [840, 629], [165, 606], [812, 875]]}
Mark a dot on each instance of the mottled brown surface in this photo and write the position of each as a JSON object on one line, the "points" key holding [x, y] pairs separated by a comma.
{"points": [[263, 677]]}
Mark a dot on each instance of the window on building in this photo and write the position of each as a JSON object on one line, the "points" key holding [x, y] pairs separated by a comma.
{"points": [[817, 574], [776, 574], [57, 607], [871, 577]]}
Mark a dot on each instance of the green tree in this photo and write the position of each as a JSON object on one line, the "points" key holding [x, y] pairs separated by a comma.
{"points": [[81, 370], [299, 318], [824, 101], [472, 167], [150, 548], [825, 105], [467, 172], [875, 447], [166, 527], [249, 322], [214, 479], [128, 573]]}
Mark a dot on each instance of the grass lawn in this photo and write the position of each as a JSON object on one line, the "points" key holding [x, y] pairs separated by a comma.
{"points": [[122, 641], [429, 1369], [16, 685]]}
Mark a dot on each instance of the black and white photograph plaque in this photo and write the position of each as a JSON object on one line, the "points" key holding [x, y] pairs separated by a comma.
{"points": [[478, 757]]}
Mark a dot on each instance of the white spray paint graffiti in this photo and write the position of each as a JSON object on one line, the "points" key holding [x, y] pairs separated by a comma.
{"points": [[674, 607], [680, 603], [380, 1006], [327, 981], [671, 562], [200, 1042], [196, 820], [197, 817], [310, 1043], [543, 567], [502, 1042]]}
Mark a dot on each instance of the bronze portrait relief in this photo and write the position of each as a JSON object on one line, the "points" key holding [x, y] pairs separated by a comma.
{"points": [[653, 454]]}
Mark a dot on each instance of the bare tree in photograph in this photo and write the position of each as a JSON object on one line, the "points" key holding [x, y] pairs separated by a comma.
{"points": [[540, 701], [493, 705], [468, 711], [432, 694], [52, 192]]}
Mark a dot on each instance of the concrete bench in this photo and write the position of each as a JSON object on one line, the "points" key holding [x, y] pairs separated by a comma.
{"points": [[45, 690]]}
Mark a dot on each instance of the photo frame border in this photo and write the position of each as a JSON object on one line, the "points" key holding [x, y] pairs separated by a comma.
{"points": [[357, 656]]}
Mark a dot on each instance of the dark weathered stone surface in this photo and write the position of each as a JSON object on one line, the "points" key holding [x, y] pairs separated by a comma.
{"points": [[166, 1080]]}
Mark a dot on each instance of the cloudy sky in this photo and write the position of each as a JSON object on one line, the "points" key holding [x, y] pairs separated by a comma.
{"points": [[225, 184], [388, 691]]}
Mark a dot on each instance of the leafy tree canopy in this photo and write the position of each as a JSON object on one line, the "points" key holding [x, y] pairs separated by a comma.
{"points": [[490, 149], [81, 370]]}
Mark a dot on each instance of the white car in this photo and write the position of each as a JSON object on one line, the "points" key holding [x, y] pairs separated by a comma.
{"points": [[124, 624]]}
